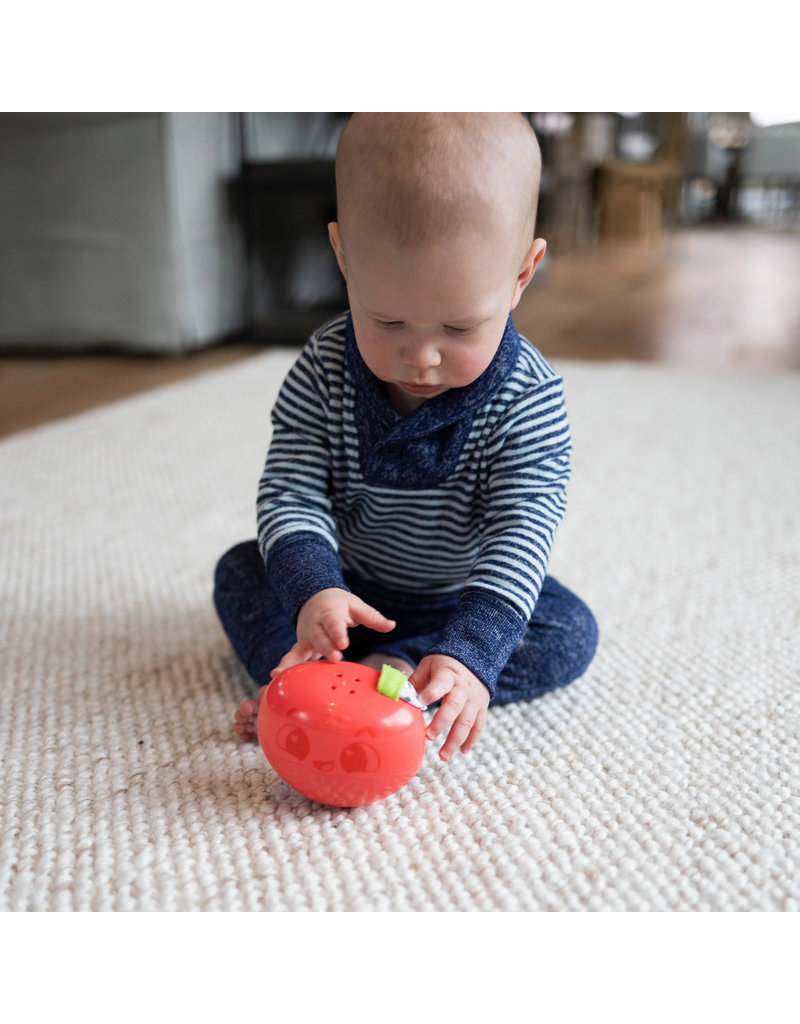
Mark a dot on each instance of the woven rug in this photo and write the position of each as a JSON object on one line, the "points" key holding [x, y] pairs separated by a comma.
{"points": [[667, 778]]}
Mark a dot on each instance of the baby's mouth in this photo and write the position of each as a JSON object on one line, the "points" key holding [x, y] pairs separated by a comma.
{"points": [[420, 389]]}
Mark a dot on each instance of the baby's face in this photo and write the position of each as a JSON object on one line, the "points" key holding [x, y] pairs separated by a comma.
{"points": [[431, 317]]}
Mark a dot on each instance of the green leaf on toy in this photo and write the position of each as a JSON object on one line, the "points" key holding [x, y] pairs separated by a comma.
{"points": [[391, 682]]}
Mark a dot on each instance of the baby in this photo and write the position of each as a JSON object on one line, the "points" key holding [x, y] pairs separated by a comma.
{"points": [[420, 449]]}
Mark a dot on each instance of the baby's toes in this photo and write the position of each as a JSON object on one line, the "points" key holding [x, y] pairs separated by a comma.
{"points": [[245, 719], [247, 712], [245, 728], [244, 731]]}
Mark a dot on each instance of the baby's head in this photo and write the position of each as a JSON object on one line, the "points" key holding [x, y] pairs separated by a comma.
{"points": [[435, 237], [418, 176]]}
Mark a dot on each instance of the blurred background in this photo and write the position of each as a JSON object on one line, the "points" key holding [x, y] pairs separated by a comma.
{"points": [[138, 248]]}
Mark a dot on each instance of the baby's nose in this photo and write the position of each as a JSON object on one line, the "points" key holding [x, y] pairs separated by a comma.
{"points": [[421, 357]]}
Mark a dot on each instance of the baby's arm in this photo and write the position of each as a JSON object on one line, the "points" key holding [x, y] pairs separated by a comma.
{"points": [[526, 474], [464, 701], [322, 625]]}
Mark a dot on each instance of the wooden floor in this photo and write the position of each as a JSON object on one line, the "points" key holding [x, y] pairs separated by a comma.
{"points": [[704, 297], [38, 389]]}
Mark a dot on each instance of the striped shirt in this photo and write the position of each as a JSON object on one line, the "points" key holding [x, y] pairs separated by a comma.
{"points": [[461, 498]]}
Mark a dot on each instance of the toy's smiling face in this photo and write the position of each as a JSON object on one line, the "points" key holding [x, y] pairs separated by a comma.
{"points": [[326, 729], [323, 752]]}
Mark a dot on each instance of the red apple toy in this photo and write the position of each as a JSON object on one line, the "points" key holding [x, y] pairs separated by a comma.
{"points": [[328, 731]]}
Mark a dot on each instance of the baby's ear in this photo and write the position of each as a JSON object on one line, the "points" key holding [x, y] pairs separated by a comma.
{"points": [[526, 271], [336, 242]]}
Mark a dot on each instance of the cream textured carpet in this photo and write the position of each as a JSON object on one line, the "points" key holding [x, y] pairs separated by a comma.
{"points": [[667, 778]]}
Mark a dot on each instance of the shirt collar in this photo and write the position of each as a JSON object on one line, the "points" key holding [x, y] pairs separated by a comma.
{"points": [[441, 410]]}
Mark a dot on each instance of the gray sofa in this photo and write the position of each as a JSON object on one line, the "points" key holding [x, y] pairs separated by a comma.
{"points": [[116, 231]]}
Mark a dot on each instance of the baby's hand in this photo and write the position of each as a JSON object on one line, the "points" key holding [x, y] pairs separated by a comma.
{"points": [[464, 704], [323, 623]]}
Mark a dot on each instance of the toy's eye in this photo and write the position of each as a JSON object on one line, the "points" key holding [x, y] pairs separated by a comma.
{"points": [[360, 757], [294, 741]]}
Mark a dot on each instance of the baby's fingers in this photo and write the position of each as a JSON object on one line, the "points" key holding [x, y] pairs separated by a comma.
{"points": [[445, 721], [296, 655], [363, 614], [475, 732], [329, 635], [431, 686], [465, 730]]}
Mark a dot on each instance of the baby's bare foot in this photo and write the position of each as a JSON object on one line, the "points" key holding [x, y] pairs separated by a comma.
{"points": [[245, 719]]}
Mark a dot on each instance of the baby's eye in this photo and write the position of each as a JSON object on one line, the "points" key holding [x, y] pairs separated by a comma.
{"points": [[389, 325], [458, 330]]}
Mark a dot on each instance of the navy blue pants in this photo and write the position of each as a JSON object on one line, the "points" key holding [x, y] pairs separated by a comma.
{"points": [[556, 649]]}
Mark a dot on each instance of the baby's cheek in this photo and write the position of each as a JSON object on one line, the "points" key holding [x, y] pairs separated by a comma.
{"points": [[378, 358], [466, 367]]}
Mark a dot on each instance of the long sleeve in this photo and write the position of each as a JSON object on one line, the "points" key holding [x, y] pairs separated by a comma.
{"points": [[296, 528], [527, 464]]}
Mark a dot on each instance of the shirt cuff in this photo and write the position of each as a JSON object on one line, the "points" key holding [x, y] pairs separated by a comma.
{"points": [[481, 633], [299, 567]]}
